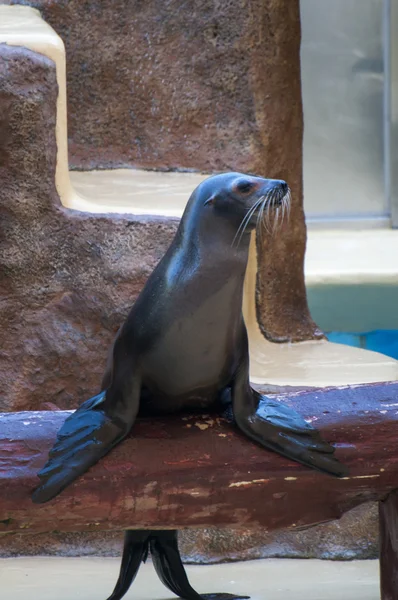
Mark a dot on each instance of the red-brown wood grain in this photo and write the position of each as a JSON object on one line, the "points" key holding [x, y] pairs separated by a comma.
{"points": [[388, 511], [187, 471]]}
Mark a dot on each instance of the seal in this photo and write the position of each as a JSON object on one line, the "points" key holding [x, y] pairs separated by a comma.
{"points": [[184, 346]]}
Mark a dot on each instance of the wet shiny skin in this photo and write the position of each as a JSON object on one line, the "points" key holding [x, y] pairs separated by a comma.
{"points": [[184, 345], [185, 328]]}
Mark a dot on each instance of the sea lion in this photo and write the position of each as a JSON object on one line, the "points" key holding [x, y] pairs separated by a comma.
{"points": [[184, 346]]}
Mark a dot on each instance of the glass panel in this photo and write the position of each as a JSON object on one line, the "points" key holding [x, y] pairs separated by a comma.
{"points": [[393, 18], [343, 82]]}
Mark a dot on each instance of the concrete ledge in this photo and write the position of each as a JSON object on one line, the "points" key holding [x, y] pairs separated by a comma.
{"points": [[349, 257], [352, 279], [91, 578], [23, 26]]}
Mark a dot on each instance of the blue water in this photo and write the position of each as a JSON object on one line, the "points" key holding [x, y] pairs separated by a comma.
{"points": [[382, 340]]}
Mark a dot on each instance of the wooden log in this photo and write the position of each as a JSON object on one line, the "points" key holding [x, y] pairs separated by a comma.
{"points": [[196, 471], [388, 512]]}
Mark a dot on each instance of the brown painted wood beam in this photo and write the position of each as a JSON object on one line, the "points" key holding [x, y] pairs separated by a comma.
{"points": [[388, 512], [195, 471]]}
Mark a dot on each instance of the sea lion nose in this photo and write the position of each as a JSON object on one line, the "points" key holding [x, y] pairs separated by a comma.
{"points": [[283, 186]]}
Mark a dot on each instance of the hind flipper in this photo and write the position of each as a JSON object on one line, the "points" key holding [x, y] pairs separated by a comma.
{"points": [[91, 432], [279, 428], [168, 564], [135, 551]]}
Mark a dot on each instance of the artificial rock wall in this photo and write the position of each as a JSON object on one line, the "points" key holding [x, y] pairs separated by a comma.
{"points": [[70, 278], [67, 278], [197, 85], [184, 84]]}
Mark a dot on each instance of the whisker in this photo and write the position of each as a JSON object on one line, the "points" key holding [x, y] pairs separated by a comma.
{"points": [[248, 219], [289, 203], [286, 204], [275, 224], [276, 220], [268, 211], [242, 223], [279, 213], [258, 222], [266, 204], [245, 222], [283, 208], [267, 222], [284, 213], [260, 216]]}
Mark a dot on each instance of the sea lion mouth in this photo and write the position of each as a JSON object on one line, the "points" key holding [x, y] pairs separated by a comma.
{"points": [[267, 213]]}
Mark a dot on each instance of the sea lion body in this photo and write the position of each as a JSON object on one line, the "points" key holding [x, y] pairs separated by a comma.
{"points": [[185, 328], [187, 340], [184, 347]]}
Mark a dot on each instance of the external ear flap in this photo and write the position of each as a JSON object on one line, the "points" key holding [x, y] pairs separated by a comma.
{"points": [[210, 200]]}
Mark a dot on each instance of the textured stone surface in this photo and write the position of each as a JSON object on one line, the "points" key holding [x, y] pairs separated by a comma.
{"points": [[195, 85], [281, 300], [67, 280], [184, 84], [354, 536]]}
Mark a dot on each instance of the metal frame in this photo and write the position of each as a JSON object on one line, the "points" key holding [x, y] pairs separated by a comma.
{"points": [[391, 106]]}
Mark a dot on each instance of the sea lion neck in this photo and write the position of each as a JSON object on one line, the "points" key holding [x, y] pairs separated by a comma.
{"points": [[211, 234]]}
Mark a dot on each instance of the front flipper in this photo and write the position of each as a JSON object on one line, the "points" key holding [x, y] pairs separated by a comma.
{"points": [[278, 427], [90, 432], [168, 564]]}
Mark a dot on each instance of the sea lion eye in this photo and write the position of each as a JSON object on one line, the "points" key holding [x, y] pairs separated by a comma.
{"points": [[244, 186]]}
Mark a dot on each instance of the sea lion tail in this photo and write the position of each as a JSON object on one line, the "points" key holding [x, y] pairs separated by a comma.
{"points": [[163, 546], [85, 437], [168, 564], [135, 551], [170, 569]]}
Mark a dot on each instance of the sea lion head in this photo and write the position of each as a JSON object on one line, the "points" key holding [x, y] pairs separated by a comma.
{"points": [[235, 204]]}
